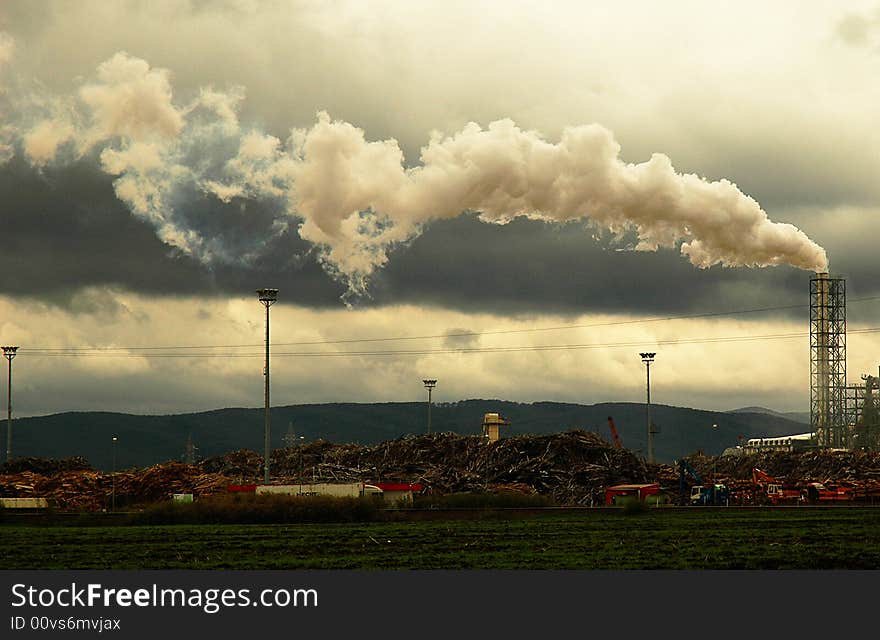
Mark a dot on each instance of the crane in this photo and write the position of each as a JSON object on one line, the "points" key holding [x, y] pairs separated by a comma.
{"points": [[614, 435]]}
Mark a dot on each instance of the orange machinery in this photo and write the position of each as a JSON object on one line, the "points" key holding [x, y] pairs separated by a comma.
{"points": [[614, 435], [775, 491]]}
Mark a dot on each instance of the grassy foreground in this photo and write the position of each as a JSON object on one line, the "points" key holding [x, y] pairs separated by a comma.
{"points": [[797, 538]]}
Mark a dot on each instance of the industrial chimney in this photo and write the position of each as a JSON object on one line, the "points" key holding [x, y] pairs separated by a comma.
{"points": [[828, 360]]}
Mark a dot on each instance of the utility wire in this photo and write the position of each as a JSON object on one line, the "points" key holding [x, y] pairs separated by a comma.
{"points": [[465, 350], [133, 351], [46, 350]]}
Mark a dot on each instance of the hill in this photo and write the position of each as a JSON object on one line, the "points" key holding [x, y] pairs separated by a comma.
{"points": [[146, 440], [797, 416]]}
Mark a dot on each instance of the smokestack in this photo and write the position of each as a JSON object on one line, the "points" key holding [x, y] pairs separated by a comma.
{"points": [[828, 359]]}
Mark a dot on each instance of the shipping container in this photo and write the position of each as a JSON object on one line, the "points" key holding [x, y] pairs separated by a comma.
{"points": [[24, 503], [346, 490]]}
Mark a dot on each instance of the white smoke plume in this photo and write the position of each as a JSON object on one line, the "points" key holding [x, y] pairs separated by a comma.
{"points": [[356, 199]]}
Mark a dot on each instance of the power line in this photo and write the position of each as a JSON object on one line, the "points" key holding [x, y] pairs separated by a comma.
{"points": [[133, 351], [464, 350]]}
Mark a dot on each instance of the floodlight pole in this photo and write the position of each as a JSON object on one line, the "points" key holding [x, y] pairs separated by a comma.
{"points": [[648, 358], [301, 464], [268, 297], [9, 352], [429, 385], [113, 476], [714, 458]]}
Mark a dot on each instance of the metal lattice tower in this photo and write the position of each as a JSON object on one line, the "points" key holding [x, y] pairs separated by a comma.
{"points": [[828, 360], [863, 413], [289, 438], [189, 452], [853, 406]]}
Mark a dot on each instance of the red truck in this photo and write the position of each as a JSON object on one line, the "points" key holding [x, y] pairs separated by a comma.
{"points": [[775, 491]]}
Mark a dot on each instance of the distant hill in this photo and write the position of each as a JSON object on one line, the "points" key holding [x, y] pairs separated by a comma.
{"points": [[146, 440], [797, 416]]}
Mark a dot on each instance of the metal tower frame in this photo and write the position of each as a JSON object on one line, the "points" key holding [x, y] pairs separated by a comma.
{"points": [[863, 413], [828, 418]]}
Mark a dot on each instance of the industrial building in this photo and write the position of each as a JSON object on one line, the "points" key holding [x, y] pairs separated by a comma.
{"points": [[797, 442]]}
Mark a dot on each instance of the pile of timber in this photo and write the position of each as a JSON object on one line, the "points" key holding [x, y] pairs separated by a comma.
{"points": [[573, 468], [857, 469], [794, 467], [93, 490]]}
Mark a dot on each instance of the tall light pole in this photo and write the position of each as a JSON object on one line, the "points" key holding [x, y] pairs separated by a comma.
{"points": [[301, 467], [9, 352], [268, 298], [113, 476], [429, 385], [648, 358], [714, 458]]}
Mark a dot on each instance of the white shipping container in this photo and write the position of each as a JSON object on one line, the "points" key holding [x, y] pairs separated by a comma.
{"points": [[24, 503], [345, 490]]}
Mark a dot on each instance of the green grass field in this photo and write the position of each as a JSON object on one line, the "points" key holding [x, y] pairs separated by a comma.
{"points": [[770, 538]]}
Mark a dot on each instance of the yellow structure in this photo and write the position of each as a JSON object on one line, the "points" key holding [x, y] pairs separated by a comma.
{"points": [[492, 423]]}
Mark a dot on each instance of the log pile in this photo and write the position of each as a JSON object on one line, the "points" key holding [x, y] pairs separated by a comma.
{"points": [[857, 469], [572, 467], [794, 467], [94, 490]]}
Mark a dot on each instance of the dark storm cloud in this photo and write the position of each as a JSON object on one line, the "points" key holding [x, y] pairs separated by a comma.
{"points": [[529, 267], [65, 230], [69, 230]]}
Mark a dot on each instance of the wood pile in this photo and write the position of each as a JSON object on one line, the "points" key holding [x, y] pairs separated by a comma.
{"points": [[572, 467], [794, 467], [94, 490], [857, 469]]}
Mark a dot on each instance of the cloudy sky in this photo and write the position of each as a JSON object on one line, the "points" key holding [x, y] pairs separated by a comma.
{"points": [[515, 198]]}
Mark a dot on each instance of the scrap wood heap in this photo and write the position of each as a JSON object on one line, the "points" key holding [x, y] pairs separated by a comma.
{"points": [[857, 469], [794, 467], [88, 490], [572, 467]]}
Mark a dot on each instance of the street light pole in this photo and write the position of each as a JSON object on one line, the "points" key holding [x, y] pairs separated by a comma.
{"points": [[113, 477], [429, 385], [268, 298], [714, 458], [9, 352], [648, 358], [301, 467]]}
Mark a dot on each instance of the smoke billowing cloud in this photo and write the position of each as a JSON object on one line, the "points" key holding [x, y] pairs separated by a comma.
{"points": [[356, 199]]}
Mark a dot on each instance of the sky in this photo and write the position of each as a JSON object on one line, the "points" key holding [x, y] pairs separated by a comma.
{"points": [[513, 198]]}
